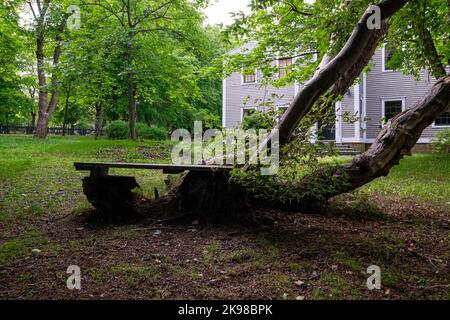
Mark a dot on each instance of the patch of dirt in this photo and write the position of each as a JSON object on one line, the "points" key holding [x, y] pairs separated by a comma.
{"points": [[154, 153], [116, 153], [120, 154], [304, 256]]}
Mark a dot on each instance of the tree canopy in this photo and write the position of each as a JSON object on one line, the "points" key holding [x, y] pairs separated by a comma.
{"points": [[153, 52]]}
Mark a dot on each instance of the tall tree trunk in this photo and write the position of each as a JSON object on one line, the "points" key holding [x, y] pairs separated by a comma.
{"points": [[132, 107], [66, 109], [132, 113], [98, 120], [42, 125], [33, 119], [46, 108]]}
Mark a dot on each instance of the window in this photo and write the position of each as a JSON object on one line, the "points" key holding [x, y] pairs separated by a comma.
{"points": [[391, 108], [284, 66], [443, 120], [280, 111], [249, 78], [247, 111], [388, 54]]}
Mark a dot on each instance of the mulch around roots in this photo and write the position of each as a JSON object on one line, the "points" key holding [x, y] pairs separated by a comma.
{"points": [[302, 256]]}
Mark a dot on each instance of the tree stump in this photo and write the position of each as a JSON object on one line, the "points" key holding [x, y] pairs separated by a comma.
{"points": [[211, 198]]}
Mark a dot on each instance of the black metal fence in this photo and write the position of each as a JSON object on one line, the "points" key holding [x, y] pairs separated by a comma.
{"points": [[57, 131]]}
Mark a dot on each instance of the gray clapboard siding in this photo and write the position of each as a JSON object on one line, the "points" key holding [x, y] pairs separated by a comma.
{"points": [[238, 94], [393, 84], [375, 86]]}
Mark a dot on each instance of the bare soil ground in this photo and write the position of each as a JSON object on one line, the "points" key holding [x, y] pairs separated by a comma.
{"points": [[304, 256]]}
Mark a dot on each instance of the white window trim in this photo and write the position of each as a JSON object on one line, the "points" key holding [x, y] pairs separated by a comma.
{"points": [[224, 103], [246, 108], [281, 106], [278, 64], [383, 100], [356, 110], [338, 111], [313, 131], [249, 83], [383, 60], [364, 115], [420, 141], [440, 126]]}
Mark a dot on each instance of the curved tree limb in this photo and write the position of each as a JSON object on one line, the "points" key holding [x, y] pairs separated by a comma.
{"points": [[394, 142], [354, 53]]}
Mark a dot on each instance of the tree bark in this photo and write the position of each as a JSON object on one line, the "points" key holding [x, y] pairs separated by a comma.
{"points": [[66, 109], [46, 108], [132, 107], [42, 125], [131, 91], [98, 120], [33, 119]]}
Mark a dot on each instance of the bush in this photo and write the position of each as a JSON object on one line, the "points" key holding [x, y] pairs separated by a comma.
{"points": [[143, 131], [117, 130], [210, 121], [258, 120], [441, 142], [120, 130]]}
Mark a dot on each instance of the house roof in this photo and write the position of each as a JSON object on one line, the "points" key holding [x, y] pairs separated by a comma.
{"points": [[244, 48]]}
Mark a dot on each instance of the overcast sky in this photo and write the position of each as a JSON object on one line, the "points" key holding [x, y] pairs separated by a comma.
{"points": [[219, 11]]}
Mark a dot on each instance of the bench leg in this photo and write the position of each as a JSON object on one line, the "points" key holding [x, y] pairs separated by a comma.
{"points": [[99, 172], [111, 195]]}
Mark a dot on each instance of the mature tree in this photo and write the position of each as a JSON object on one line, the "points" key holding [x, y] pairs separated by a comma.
{"points": [[49, 19], [140, 22]]}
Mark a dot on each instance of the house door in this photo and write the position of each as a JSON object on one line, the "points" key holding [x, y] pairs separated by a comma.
{"points": [[327, 132]]}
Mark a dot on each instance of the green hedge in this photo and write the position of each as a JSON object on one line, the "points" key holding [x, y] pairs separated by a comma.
{"points": [[145, 132], [121, 130]]}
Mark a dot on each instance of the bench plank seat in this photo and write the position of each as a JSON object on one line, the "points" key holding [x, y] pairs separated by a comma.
{"points": [[102, 167]]}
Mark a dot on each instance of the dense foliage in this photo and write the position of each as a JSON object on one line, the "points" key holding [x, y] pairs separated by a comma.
{"points": [[170, 58]]}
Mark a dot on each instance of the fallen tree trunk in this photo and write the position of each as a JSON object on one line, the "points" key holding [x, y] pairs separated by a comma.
{"points": [[340, 71], [395, 141]]}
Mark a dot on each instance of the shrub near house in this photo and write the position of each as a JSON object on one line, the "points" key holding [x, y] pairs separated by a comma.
{"points": [[442, 142]]}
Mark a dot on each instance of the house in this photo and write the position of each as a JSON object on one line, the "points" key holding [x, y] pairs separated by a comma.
{"points": [[380, 95]]}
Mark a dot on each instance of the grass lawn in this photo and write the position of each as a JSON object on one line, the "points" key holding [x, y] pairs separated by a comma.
{"points": [[38, 178], [41, 198], [424, 176]]}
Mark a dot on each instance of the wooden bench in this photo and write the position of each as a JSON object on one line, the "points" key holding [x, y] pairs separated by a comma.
{"points": [[99, 169], [114, 194]]}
